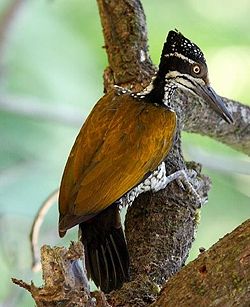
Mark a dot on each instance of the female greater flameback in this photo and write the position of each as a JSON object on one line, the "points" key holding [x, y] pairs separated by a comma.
{"points": [[119, 153]]}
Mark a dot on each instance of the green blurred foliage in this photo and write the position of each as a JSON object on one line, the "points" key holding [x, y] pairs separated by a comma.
{"points": [[54, 54]]}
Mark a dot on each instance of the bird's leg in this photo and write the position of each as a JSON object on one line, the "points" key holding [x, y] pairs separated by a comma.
{"points": [[157, 181], [181, 178], [184, 182]]}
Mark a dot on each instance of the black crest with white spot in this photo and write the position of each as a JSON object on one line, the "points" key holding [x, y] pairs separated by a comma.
{"points": [[178, 54], [176, 43], [182, 65], [178, 57]]}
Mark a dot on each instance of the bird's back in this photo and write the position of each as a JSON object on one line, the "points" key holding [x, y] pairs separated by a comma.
{"points": [[122, 140]]}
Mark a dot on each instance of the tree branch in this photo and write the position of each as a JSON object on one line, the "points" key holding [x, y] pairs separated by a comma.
{"points": [[35, 229], [208, 281], [202, 120], [125, 36], [65, 278]]}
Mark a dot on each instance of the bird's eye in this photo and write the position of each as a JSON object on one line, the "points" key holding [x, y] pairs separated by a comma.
{"points": [[196, 69]]}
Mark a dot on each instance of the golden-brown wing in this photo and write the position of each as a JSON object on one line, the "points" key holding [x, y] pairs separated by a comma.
{"points": [[136, 139], [87, 143]]}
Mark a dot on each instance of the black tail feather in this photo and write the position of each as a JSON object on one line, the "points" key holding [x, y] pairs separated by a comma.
{"points": [[106, 254]]}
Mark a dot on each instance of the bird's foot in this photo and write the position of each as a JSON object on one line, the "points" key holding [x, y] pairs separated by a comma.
{"points": [[158, 180], [183, 181]]}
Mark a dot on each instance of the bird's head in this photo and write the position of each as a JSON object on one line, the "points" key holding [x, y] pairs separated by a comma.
{"points": [[183, 65]]}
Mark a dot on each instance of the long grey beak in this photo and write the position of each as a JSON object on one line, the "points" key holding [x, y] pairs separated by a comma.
{"points": [[216, 103]]}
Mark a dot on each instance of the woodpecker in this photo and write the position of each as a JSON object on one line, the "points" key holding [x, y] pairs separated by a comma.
{"points": [[119, 153]]}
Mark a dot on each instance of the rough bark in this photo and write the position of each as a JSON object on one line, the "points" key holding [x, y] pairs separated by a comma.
{"points": [[160, 227], [67, 283], [65, 279], [202, 120], [125, 37], [219, 277]]}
